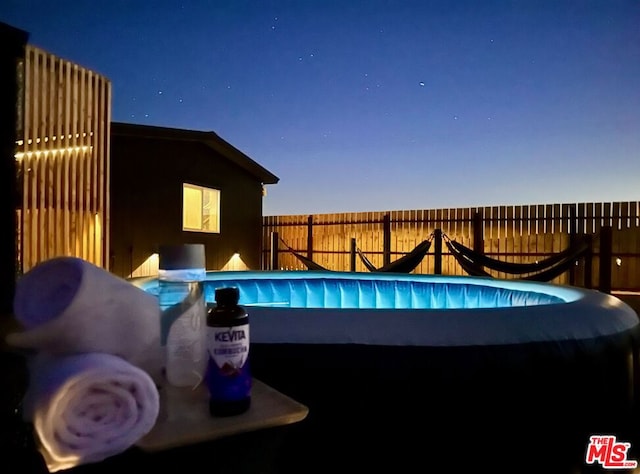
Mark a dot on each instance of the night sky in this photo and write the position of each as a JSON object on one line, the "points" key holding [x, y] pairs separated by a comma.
{"points": [[378, 105]]}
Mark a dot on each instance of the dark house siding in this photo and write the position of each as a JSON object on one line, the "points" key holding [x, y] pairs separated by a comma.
{"points": [[147, 174]]}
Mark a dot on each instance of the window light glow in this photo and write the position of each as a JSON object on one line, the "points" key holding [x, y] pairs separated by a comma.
{"points": [[200, 209]]}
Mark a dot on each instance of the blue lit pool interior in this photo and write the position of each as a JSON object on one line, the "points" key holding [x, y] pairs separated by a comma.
{"points": [[400, 367]]}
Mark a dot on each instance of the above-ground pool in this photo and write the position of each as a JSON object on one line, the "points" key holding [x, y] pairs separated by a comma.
{"points": [[402, 368]]}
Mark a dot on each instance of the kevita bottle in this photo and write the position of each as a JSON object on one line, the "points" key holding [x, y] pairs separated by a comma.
{"points": [[228, 375]]}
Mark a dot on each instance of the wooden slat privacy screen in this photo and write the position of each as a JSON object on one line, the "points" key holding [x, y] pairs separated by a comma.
{"points": [[511, 233], [63, 161]]}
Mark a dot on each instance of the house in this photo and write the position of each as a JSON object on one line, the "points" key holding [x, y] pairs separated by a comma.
{"points": [[172, 186]]}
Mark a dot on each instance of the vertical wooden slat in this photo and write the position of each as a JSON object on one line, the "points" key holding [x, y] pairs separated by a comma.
{"points": [[67, 158], [28, 211], [33, 205], [30, 191], [40, 157], [94, 113], [99, 212], [615, 216], [557, 213], [426, 231], [61, 158], [598, 217], [580, 211], [540, 219], [33, 175], [518, 242], [106, 153], [447, 264], [38, 169], [73, 143], [40, 173], [633, 263], [564, 218], [624, 215], [53, 160], [608, 214], [82, 233], [548, 219]]}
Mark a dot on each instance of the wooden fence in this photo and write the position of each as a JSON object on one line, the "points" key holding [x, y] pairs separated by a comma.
{"points": [[62, 160], [511, 233]]}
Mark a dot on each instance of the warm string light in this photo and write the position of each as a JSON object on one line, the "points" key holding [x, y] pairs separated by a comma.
{"points": [[30, 141], [60, 138], [37, 153]]}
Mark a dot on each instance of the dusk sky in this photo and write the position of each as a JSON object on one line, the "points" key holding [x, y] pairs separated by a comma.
{"points": [[378, 105]]}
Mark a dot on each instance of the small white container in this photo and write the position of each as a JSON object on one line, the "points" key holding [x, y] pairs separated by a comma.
{"points": [[182, 270]]}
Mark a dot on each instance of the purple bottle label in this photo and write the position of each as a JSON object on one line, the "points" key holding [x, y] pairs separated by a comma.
{"points": [[228, 377]]}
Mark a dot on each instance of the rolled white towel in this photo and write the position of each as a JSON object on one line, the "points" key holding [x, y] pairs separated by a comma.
{"points": [[88, 407], [68, 305]]}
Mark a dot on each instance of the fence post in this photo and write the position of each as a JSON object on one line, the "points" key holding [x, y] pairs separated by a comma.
{"points": [[588, 262], [573, 229], [352, 254], [274, 251], [310, 237], [437, 250], [386, 242], [606, 251], [478, 233]]}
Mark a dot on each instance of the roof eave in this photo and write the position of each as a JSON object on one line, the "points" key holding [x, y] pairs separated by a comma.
{"points": [[211, 139]]}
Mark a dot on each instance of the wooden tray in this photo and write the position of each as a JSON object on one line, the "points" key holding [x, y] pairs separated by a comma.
{"points": [[184, 417]]}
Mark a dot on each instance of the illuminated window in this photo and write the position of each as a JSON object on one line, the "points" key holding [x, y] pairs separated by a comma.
{"points": [[200, 209]]}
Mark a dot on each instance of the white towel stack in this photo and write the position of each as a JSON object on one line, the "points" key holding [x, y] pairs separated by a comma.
{"points": [[95, 342], [88, 407]]}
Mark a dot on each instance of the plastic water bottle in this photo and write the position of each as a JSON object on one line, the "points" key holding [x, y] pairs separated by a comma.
{"points": [[228, 375], [182, 270]]}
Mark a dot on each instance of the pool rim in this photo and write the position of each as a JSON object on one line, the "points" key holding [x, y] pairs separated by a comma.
{"points": [[585, 315]]}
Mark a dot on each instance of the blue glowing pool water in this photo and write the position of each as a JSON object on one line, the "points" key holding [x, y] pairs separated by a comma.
{"points": [[311, 289], [402, 309]]}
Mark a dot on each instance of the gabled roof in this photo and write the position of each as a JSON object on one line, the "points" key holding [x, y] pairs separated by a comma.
{"points": [[210, 139]]}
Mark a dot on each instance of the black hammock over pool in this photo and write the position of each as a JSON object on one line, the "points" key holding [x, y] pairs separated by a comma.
{"points": [[404, 264], [310, 264], [473, 262]]}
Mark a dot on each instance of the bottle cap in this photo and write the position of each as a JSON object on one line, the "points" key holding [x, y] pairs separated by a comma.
{"points": [[227, 295], [177, 257]]}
